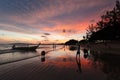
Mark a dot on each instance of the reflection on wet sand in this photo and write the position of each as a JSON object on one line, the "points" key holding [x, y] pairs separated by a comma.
{"points": [[61, 65], [43, 56], [109, 64], [78, 59], [17, 56], [78, 63]]}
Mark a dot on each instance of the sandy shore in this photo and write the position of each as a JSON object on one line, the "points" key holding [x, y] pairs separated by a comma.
{"points": [[54, 68], [6, 51], [59, 65]]}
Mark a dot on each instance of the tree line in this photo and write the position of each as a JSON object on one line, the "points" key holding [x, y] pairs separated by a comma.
{"points": [[108, 28]]}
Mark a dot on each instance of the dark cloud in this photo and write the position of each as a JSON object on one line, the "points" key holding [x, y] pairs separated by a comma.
{"points": [[68, 31], [92, 20], [31, 16], [46, 33], [64, 31], [43, 36]]}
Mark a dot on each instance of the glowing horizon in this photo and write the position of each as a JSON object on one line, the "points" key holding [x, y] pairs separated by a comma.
{"points": [[48, 21]]}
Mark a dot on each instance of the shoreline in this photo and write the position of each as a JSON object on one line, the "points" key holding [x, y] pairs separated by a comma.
{"points": [[104, 48], [37, 55], [7, 51]]}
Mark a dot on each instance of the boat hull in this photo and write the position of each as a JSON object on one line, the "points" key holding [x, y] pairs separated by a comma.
{"points": [[29, 48]]}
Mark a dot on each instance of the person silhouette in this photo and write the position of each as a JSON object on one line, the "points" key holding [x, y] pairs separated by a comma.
{"points": [[78, 51], [85, 53], [85, 50], [13, 46], [43, 53]]}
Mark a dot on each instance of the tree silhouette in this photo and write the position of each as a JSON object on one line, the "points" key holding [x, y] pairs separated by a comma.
{"points": [[71, 42], [91, 30], [108, 28]]}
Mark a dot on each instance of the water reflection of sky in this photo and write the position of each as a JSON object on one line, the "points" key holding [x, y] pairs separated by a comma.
{"points": [[13, 56], [61, 64], [65, 62]]}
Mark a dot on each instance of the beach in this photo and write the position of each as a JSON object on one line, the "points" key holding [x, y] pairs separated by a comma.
{"points": [[104, 48], [59, 64]]}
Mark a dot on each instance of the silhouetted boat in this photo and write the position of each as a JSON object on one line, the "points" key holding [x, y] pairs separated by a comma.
{"points": [[26, 48]]}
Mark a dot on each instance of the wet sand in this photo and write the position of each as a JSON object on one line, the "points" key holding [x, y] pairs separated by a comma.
{"points": [[9, 56], [7, 51], [34, 69], [56, 65], [104, 48]]}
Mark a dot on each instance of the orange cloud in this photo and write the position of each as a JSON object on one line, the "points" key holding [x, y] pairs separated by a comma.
{"points": [[60, 17]]}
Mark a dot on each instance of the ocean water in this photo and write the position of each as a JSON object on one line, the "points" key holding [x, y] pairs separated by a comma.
{"points": [[58, 63], [8, 56], [5, 46]]}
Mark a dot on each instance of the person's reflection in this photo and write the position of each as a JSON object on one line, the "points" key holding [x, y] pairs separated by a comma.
{"points": [[78, 63], [43, 56], [54, 46], [64, 47], [78, 60]]}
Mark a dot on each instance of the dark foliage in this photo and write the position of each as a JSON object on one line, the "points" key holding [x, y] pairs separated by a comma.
{"points": [[108, 28], [71, 42]]}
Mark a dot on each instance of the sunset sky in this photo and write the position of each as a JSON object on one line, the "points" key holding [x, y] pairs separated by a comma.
{"points": [[48, 21]]}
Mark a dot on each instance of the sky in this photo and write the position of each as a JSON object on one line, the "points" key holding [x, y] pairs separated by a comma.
{"points": [[48, 21]]}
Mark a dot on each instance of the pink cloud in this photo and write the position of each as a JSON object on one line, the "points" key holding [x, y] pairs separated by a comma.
{"points": [[58, 16]]}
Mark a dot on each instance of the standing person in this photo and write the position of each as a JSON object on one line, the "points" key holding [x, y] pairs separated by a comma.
{"points": [[78, 50], [13, 46]]}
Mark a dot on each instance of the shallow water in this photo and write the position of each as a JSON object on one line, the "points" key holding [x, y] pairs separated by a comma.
{"points": [[59, 64], [13, 56], [5, 46]]}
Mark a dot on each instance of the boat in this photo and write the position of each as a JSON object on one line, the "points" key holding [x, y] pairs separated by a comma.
{"points": [[25, 48]]}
